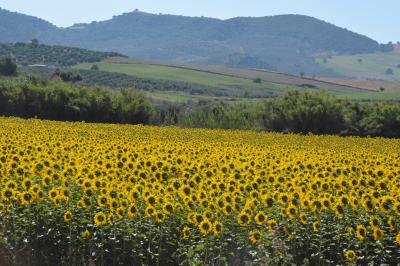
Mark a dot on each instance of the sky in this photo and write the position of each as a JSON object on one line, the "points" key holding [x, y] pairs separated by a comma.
{"points": [[378, 19]]}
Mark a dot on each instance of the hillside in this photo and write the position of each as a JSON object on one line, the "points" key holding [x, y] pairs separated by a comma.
{"points": [[380, 66], [286, 43], [34, 53]]}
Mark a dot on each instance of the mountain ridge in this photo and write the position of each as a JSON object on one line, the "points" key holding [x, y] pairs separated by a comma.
{"points": [[285, 43]]}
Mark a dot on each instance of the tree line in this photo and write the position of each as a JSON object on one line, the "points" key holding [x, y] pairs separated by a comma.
{"points": [[56, 100], [296, 112]]}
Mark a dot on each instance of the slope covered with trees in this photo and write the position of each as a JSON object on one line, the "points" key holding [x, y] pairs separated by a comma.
{"points": [[34, 53]]}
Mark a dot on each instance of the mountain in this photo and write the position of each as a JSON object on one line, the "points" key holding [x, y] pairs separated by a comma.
{"points": [[287, 43]]}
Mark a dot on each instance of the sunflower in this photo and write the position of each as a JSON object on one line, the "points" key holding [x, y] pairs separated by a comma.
{"points": [[110, 218], [205, 227], [260, 218], [361, 232], [186, 233], [217, 228], [243, 219], [67, 216], [350, 255], [150, 211], [378, 234], [391, 223], [120, 212], [398, 239], [303, 218], [7, 194], [271, 224], [26, 183], [386, 203], [255, 237], [397, 208], [159, 217], [168, 208], [132, 211], [102, 201], [339, 210], [315, 226], [100, 219], [373, 221], [26, 198]]}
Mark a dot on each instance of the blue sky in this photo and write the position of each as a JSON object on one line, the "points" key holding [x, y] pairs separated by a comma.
{"points": [[378, 19]]}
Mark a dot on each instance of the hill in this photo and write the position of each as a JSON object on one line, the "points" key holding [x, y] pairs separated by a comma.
{"points": [[378, 65], [34, 53], [286, 43], [16, 27]]}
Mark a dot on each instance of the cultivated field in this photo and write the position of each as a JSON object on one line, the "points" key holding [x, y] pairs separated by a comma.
{"points": [[229, 83], [84, 194], [373, 85]]}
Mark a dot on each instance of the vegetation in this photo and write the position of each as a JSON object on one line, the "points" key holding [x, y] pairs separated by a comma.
{"points": [[35, 53], [297, 112], [80, 194], [8, 67], [32, 97]]}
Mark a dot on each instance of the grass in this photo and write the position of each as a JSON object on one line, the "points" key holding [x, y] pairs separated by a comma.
{"points": [[365, 66]]}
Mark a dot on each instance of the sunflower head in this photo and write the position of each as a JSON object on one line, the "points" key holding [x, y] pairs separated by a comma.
{"points": [[361, 232], [255, 237], [205, 227], [350, 255], [67, 216]]}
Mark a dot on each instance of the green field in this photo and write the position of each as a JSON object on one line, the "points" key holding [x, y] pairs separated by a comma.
{"points": [[233, 88], [365, 66], [148, 71]]}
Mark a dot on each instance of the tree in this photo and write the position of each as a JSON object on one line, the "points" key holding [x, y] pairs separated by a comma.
{"points": [[304, 112], [302, 74], [8, 67], [257, 80], [94, 67], [35, 42], [389, 71], [382, 89]]}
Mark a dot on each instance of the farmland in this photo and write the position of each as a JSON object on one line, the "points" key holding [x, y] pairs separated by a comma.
{"points": [[119, 194], [225, 83]]}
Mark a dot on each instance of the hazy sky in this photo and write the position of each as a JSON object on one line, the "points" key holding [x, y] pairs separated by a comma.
{"points": [[378, 19]]}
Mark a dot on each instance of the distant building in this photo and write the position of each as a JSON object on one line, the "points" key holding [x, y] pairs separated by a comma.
{"points": [[38, 65]]}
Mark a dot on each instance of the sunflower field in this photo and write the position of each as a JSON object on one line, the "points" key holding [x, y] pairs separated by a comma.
{"points": [[102, 194]]}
